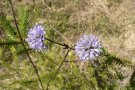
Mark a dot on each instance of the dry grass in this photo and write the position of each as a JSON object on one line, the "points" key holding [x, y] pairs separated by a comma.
{"points": [[112, 20]]}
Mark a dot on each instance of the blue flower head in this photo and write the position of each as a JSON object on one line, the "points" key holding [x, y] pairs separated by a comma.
{"points": [[88, 47], [36, 37]]}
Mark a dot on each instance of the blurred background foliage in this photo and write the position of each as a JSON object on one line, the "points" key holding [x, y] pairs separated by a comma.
{"points": [[111, 20]]}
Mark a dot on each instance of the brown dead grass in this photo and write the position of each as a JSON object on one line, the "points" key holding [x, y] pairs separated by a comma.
{"points": [[112, 20], [121, 15]]}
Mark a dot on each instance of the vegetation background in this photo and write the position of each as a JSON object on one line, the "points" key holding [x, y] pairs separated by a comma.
{"points": [[113, 21]]}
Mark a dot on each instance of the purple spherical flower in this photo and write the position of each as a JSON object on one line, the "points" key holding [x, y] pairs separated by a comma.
{"points": [[36, 37], [88, 47]]}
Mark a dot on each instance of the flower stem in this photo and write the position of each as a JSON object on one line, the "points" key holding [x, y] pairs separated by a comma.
{"points": [[66, 46], [73, 61], [58, 69], [36, 70]]}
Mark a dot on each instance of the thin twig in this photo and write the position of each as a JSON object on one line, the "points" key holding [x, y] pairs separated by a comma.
{"points": [[60, 34], [66, 46], [73, 61], [44, 3], [57, 31], [58, 69], [24, 44]]}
